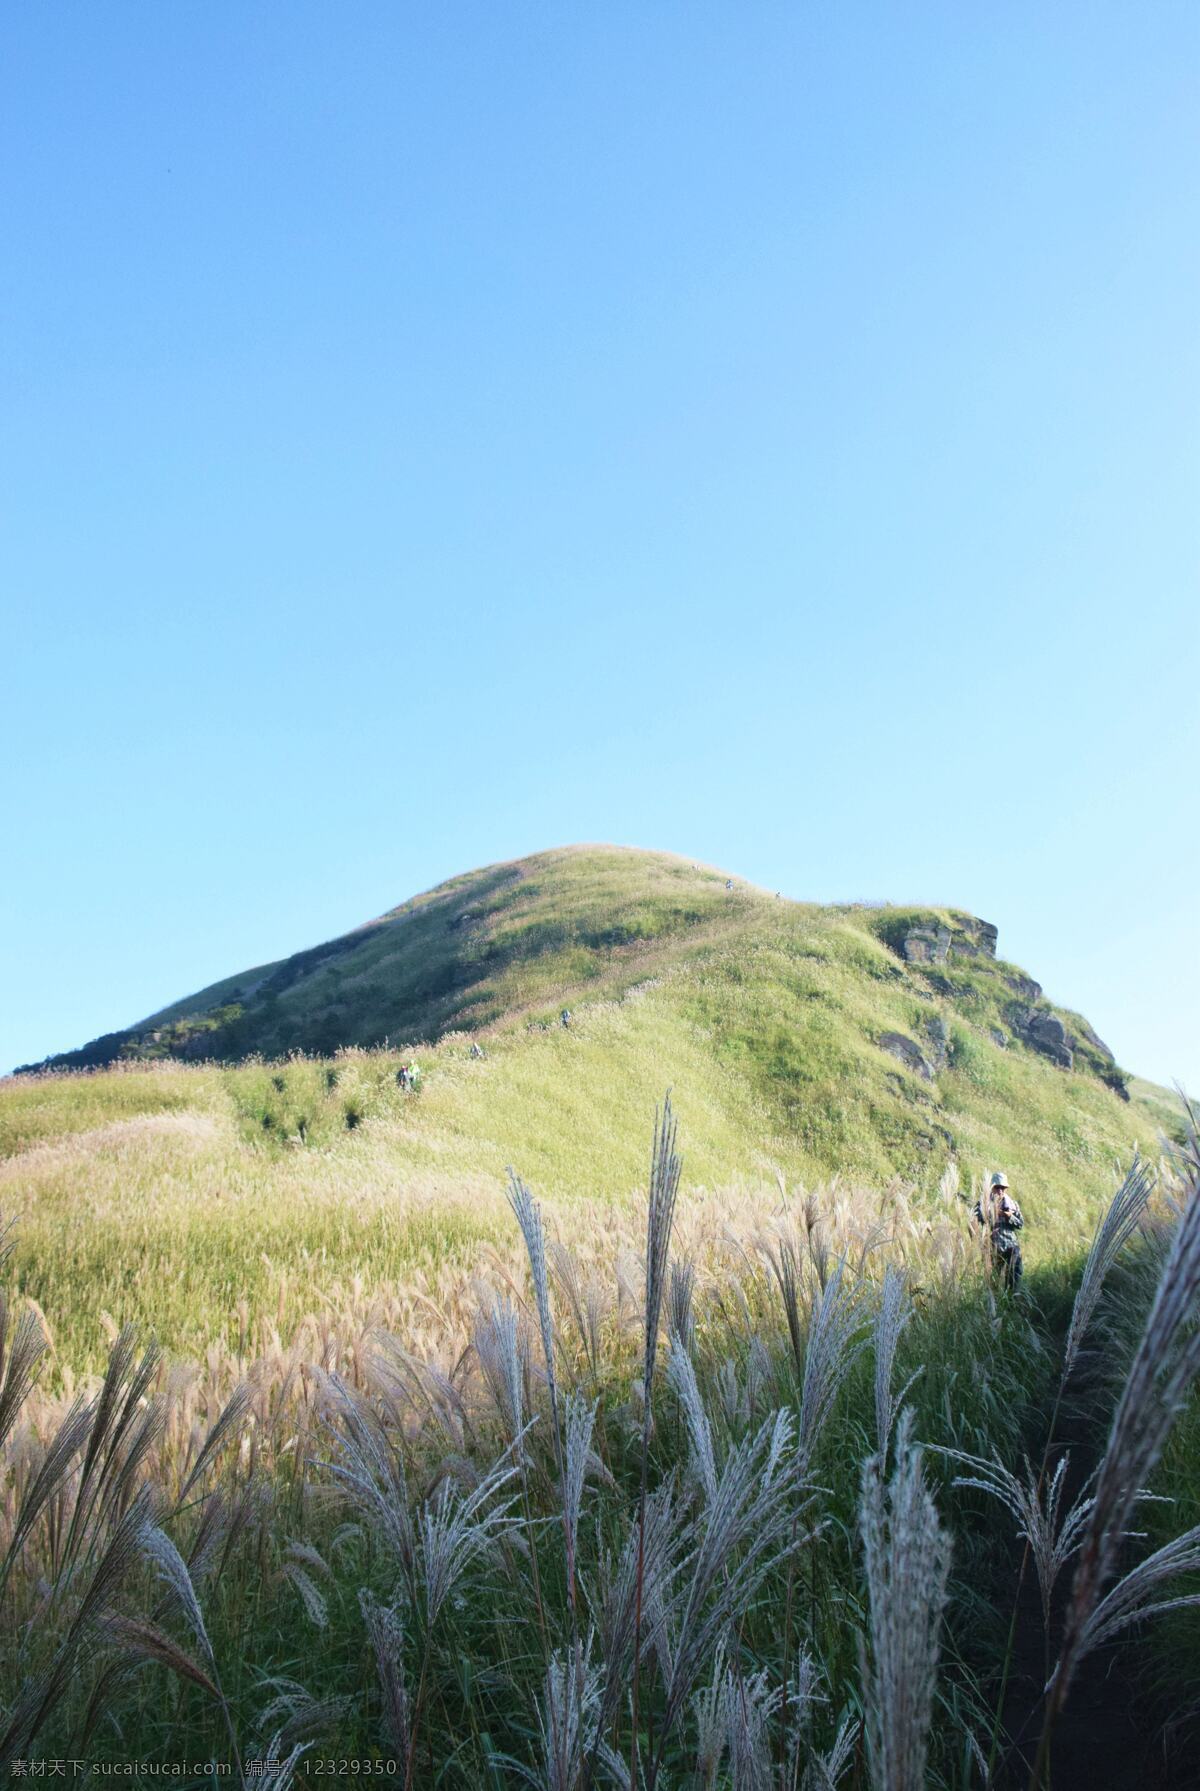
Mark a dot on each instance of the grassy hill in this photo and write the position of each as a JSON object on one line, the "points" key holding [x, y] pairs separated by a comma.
{"points": [[494, 945], [842, 1077], [800, 1041], [513, 942]]}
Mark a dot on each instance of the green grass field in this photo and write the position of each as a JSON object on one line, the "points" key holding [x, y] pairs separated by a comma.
{"points": [[270, 1218], [293, 1573], [170, 1193]]}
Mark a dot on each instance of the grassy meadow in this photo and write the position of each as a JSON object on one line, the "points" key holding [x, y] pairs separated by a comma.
{"points": [[188, 1195], [298, 1389], [735, 1468], [181, 1196]]}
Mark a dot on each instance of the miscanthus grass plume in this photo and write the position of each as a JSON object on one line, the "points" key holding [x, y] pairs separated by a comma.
{"points": [[894, 1314], [1120, 1223], [1160, 1377], [907, 1557]]}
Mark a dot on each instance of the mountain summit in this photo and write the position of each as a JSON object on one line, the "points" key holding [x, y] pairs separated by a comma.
{"points": [[501, 944], [859, 1037]]}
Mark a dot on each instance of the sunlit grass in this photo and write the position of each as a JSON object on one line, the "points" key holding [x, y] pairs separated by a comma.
{"points": [[391, 1288], [166, 1195]]}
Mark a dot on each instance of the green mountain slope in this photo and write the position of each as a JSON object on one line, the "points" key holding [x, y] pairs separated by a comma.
{"points": [[496, 945], [800, 1041], [482, 948], [871, 1038]]}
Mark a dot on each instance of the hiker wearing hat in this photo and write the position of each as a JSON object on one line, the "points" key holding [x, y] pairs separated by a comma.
{"points": [[1000, 1214]]}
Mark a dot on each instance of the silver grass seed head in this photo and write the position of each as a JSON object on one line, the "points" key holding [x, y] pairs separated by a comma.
{"points": [[1118, 1225], [666, 1168], [907, 1559], [1164, 1367]]}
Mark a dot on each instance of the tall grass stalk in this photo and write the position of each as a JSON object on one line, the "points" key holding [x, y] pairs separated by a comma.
{"points": [[1164, 1367], [666, 1168], [894, 1313], [1120, 1223], [907, 1558], [1117, 1226]]}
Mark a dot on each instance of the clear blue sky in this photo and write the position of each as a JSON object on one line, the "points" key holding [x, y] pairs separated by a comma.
{"points": [[431, 434]]}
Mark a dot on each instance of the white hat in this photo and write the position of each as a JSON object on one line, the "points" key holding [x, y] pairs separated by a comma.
{"points": [[999, 1180]]}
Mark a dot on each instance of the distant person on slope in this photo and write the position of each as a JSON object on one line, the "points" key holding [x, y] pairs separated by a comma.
{"points": [[999, 1213]]}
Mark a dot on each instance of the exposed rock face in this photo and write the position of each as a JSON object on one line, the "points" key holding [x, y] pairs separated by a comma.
{"points": [[939, 1040], [932, 943], [1095, 1041], [940, 950], [974, 939], [1048, 1035], [1044, 1031], [1024, 986], [1098, 1057], [909, 1053], [927, 945]]}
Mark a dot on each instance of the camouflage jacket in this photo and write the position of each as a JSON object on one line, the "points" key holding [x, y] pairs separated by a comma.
{"points": [[1003, 1230]]}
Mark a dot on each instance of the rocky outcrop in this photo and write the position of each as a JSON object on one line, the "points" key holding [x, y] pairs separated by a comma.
{"points": [[974, 938], [927, 945], [1043, 1031], [938, 1034], [950, 951], [1024, 986], [932, 942], [1097, 1057], [1047, 1034], [908, 1052], [1094, 1040]]}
